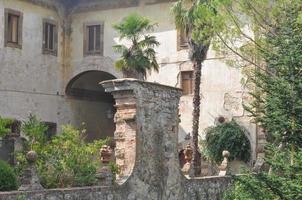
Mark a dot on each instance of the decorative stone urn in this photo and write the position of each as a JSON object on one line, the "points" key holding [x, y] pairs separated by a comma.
{"points": [[224, 164], [30, 180], [104, 174], [188, 152]]}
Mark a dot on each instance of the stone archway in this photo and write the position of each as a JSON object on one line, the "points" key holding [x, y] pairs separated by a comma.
{"points": [[91, 107]]}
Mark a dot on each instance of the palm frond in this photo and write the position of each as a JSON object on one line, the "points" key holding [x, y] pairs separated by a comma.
{"points": [[120, 64], [132, 26], [148, 41], [150, 53], [140, 56], [120, 48]]}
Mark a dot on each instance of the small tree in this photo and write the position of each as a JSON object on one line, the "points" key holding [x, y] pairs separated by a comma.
{"points": [[199, 41], [140, 56], [274, 48]]}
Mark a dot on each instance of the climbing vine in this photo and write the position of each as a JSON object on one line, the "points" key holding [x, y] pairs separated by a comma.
{"points": [[226, 136]]}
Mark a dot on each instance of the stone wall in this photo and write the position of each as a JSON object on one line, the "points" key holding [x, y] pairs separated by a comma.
{"points": [[148, 152], [7, 150], [209, 188]]}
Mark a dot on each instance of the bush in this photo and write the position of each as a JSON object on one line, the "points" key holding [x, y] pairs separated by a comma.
{"points": [[4, 123], [226, 136], [283, 181], [8, 180], [66, 159]]}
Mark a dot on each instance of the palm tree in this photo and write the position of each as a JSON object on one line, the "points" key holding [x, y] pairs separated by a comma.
{"points": [[140, 56], [184, 14]]}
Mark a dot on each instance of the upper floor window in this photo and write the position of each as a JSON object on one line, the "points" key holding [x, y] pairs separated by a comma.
{"points": [[13, 28], [50, 37], [182, 40], [93, 39], [187, 82]]}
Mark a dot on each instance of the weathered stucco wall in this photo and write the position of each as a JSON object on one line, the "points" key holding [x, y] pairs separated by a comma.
{"points": [[219, 81], [34, 83], [31, 82]]}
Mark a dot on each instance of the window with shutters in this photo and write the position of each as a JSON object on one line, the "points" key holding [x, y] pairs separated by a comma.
{"points": [[93, 39], [182, 40], [187, 82], [13, 28], [50, 37]]}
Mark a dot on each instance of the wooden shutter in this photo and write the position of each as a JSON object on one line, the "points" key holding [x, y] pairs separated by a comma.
{"points": [[20, 29], [187, 82], [102, 39], [50, 37], [93, 39], [55, 40], [13, 28]]}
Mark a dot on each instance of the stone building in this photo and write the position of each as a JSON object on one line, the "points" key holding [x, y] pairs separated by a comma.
{"points": [[53, 54]]}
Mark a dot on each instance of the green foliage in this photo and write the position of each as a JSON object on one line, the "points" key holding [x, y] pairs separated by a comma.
{"points": [[140, 56], [114, 169], [267, 35], [34, 130], [187, 15], [4, 126], [64, 161], [238, 28], [8, 180], [284, 181], [227, 136], [278, 99]]}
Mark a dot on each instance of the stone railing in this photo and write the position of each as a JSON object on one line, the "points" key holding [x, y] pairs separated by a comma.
{"points": [[146, 151]]}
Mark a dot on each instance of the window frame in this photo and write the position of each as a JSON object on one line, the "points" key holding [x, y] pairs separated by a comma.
{"points": [[180, 44], [182, 73], [86, 51], [45, 50], [51, 129], [18, 44]]}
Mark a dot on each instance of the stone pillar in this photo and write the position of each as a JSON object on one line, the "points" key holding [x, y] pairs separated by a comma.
{"points": [[30, 180], [146, 136], [224, 164], [104, 174], [125, 133]]}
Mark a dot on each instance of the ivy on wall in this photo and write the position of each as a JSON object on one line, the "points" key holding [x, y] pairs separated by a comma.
{"points": [[226, 136]]}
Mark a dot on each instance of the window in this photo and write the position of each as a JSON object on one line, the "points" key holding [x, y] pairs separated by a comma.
{"points": [[93, 39], [15, 128], [187, 82], [51, 129], [182, 39], [50, 37], [13, 28]]}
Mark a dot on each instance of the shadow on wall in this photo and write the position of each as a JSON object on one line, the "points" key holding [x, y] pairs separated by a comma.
{"points": [[91, 107]]}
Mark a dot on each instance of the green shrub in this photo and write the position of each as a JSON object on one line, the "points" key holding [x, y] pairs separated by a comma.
{"points": [[283, 181], [8, 180], [68, 160], [226, 136], [64, 161], [114, 169], [4, 123]]}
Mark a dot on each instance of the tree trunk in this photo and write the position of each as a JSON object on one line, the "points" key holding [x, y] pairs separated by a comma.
{"points": [[196, 113]]}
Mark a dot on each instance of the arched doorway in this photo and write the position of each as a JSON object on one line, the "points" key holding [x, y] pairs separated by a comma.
{"points": [[91, 107]]}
